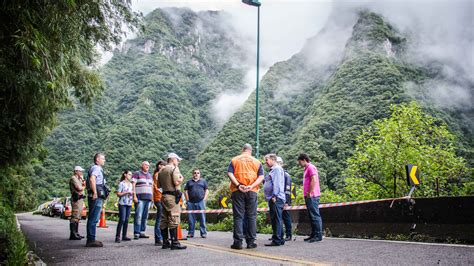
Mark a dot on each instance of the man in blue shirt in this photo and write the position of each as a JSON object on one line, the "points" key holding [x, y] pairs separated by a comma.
{"points": [[196, 192], [95, 197], [286, 214], [274, 190]]}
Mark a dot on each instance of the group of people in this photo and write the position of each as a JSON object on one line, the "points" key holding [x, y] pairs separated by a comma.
{"points": [[246, 174], [163, 189]]}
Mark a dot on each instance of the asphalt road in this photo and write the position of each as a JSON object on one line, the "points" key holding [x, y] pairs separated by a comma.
{"points": [[48, 237]]}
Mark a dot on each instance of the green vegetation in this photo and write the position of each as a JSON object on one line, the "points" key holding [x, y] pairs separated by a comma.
{"points": [[47, 59], [157, 101], [407, 136]]}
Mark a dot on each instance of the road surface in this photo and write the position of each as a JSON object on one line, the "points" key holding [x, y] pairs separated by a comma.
{"points": [[48, 237]]}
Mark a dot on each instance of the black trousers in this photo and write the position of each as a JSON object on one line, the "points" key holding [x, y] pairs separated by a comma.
{"points": [[244, 206]]}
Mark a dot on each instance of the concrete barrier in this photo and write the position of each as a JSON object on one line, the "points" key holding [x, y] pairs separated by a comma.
{"points": [[434, 219]]}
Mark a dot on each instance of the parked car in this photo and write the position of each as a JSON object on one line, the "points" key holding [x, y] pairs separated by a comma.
{"points": [[67, 211], [44, 208], [55, 208]]}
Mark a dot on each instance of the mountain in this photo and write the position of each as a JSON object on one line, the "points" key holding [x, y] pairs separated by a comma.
{"points": [[319, 101], [162, 86]]}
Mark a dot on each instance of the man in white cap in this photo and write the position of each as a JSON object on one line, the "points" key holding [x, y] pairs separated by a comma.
{"points": [[76, 186], [170, 180]]}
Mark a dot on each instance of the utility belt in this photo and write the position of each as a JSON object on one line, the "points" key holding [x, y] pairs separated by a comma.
{"points": [[177, 194]]}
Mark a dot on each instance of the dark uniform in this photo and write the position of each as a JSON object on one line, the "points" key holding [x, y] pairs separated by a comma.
{"points": [[76, 186], [170, 215]]}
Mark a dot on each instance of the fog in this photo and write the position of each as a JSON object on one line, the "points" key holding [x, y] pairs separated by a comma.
{"points": [[437, 31]]}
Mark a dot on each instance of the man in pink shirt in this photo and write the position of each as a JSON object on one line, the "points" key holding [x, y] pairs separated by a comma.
{"points": [[311, 193]]}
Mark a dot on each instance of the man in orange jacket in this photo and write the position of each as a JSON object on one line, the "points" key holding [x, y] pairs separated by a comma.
{"points": [[245, 174]]}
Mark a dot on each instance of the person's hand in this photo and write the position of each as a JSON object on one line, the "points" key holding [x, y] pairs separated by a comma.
{"points": [[135, 199], [286, 205], [274, 199], [242, 188], [94, 196], [248, 188]]}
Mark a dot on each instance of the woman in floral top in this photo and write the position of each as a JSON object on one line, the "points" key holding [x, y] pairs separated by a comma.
{"points": [[125, 194]]}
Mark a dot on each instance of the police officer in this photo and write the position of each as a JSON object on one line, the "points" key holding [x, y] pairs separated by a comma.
{"points": [[77, 186], [170, 180]]}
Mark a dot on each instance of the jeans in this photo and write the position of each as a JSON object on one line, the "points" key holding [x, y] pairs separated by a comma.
{"points": [[158, 236], [193, 217], [244, 205], [124, 214], [141, 215], [95, 208], [287, 223], [312, 206], [276, 210]]}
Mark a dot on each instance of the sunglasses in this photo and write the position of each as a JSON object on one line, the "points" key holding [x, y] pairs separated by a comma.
{"points": [[195, 173]]}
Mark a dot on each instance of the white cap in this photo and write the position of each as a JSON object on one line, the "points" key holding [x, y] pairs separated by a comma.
{"points": [[78, 168], [174, 155], [279, 160]]}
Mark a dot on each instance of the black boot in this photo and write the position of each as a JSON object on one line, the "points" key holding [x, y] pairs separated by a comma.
{"points": [[174, 240], [77, 231], [166, 238], [72, 235]]}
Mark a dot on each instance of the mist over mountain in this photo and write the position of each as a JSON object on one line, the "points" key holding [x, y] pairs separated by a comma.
{"points": [[183, 86]]}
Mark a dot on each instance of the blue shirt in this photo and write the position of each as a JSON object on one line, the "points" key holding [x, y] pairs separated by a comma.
{"points": [[275, 184], [96, 170], [196, 190], [288, 187]]}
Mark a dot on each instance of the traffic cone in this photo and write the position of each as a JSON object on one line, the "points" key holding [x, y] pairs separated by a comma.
{"points": [[180, 234], [102, 220]]}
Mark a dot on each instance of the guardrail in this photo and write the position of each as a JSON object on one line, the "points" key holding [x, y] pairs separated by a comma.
{"points": [[434, 218]]}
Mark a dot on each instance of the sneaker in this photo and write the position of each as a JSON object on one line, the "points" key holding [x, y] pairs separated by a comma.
{"points": [[166, 244], [159, 243], [204, 236], [308, 238], [288, 238], [251, 245], [190, 236], [136, 237], [94, 244], [236, 245], [117, 240], [126, 239], [142, 235], [272, 244], [315, 239]]}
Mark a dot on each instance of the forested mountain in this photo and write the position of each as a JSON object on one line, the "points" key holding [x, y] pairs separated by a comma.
{"points": [[161, 85], [319, 101]]}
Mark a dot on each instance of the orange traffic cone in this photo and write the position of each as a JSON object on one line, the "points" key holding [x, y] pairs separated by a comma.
{"points": [[180, 234], [102, 220]]}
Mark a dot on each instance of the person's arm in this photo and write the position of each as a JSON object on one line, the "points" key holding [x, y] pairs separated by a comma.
{"points": [[93, 187], [260, 178], [312, 184], [278, 183], [230, 174], [186, 196], [206, 194], [177, 177]]}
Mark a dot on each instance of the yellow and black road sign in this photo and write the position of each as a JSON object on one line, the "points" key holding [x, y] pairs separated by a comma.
{"points": [[413, 175], [223, 202], [293, 192]]}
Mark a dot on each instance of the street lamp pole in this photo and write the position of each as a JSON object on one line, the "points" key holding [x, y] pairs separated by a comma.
{"points": [[257, 113]]}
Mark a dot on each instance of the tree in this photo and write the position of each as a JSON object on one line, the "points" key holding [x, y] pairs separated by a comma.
{"points": [[408, 136], [47, 58]]}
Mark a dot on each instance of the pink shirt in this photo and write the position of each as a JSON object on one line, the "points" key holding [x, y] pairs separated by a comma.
{"points": [[309, 171]]}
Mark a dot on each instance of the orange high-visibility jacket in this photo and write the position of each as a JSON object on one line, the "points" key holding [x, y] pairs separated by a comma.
{"points": [[245, 171]]}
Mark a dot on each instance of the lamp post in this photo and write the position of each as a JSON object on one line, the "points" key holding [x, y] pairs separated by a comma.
{"points": [[257, 141]]}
